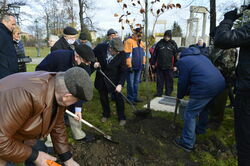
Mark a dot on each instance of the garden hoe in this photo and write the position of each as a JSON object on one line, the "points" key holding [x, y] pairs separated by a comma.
{"points": [[107, 137], [140, 113]]}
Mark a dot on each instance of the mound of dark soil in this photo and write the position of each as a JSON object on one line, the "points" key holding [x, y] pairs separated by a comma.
{"points": [[141, 142]]}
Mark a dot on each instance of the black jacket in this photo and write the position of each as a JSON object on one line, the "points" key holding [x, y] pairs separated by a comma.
{"points": [[226, 38], [8, 56], [61, 44], [165, 54], [115, 70]]}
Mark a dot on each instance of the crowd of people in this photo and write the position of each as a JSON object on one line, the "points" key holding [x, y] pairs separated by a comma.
{"points": [[33, 103]]}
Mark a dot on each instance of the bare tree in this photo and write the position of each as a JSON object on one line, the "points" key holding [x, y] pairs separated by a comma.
{"points": [[70, 12], [85, 20], [156, 8]]}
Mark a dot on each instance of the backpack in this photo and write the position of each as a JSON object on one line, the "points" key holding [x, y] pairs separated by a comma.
{"points": [[224, 60]]}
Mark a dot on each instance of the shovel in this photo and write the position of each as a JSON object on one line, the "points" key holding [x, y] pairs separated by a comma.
{"points": [[108, 137], [175, 113], [141, 113]]}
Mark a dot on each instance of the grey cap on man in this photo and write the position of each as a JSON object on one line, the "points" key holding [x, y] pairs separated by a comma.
{"points": [[78, 83], [117, 44], [111, 31]]}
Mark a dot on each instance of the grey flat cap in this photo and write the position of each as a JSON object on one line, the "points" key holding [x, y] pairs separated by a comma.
{"points": [[78, 83], [117, 44]]}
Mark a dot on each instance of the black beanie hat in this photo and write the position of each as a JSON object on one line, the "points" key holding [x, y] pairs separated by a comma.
{"points": [[70, 31], [85, 52], [83, 36], [78, 83], [168, 33]]}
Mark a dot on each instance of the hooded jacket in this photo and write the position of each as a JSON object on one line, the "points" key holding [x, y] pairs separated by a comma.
{"points": [[28, 111], [198, 76]]}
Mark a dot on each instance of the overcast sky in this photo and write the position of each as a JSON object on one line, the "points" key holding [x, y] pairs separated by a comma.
{"points": [[105, 19], [103, 15]]}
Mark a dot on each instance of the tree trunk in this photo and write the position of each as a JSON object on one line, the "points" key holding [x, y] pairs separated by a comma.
{"points": [[81, 15], [153, 30], [47, 26], [147, 51], [212, 15]]}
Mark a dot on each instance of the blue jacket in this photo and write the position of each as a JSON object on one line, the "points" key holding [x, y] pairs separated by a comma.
{"points": [[8, 56], [198, 76], [57, 61]]}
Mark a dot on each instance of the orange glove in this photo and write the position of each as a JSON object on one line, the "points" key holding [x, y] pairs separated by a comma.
{"points": [[52, 163]]}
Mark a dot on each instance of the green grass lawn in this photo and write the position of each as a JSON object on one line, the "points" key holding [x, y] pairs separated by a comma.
{"points": [[32, 52], [93, 112]]}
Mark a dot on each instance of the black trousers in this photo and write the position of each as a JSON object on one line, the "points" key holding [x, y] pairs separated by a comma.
{"points": [[164, 77], [218, 107], [242, 128], [105, 104]]}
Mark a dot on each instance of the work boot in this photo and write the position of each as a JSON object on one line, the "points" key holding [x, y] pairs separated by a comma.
{"points": [[104, 119], [179, 144], [122, 122]]}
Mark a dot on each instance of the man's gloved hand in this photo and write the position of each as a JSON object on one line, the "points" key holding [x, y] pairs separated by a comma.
{"points": [[130, 69], [232, 15]]}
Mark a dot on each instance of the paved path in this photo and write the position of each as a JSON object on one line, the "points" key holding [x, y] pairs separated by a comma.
{"points": [[36, 60]]}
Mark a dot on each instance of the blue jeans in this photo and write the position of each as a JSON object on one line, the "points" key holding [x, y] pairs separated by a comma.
{"points": [[195, 108], [133, 79]]}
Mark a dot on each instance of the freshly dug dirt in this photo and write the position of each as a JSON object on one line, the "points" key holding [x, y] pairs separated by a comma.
{"points": [[141, 142]]}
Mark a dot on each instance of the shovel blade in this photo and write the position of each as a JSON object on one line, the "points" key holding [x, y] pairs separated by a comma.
{"points": [[108, 137], [142, 113]]}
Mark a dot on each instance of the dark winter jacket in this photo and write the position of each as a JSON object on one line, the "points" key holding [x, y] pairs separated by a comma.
{"points": [[165, 54], [8, 56], [61, 44], [20, 55], [60, 60], [115, 69], [226, 38], [198, 76]]}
